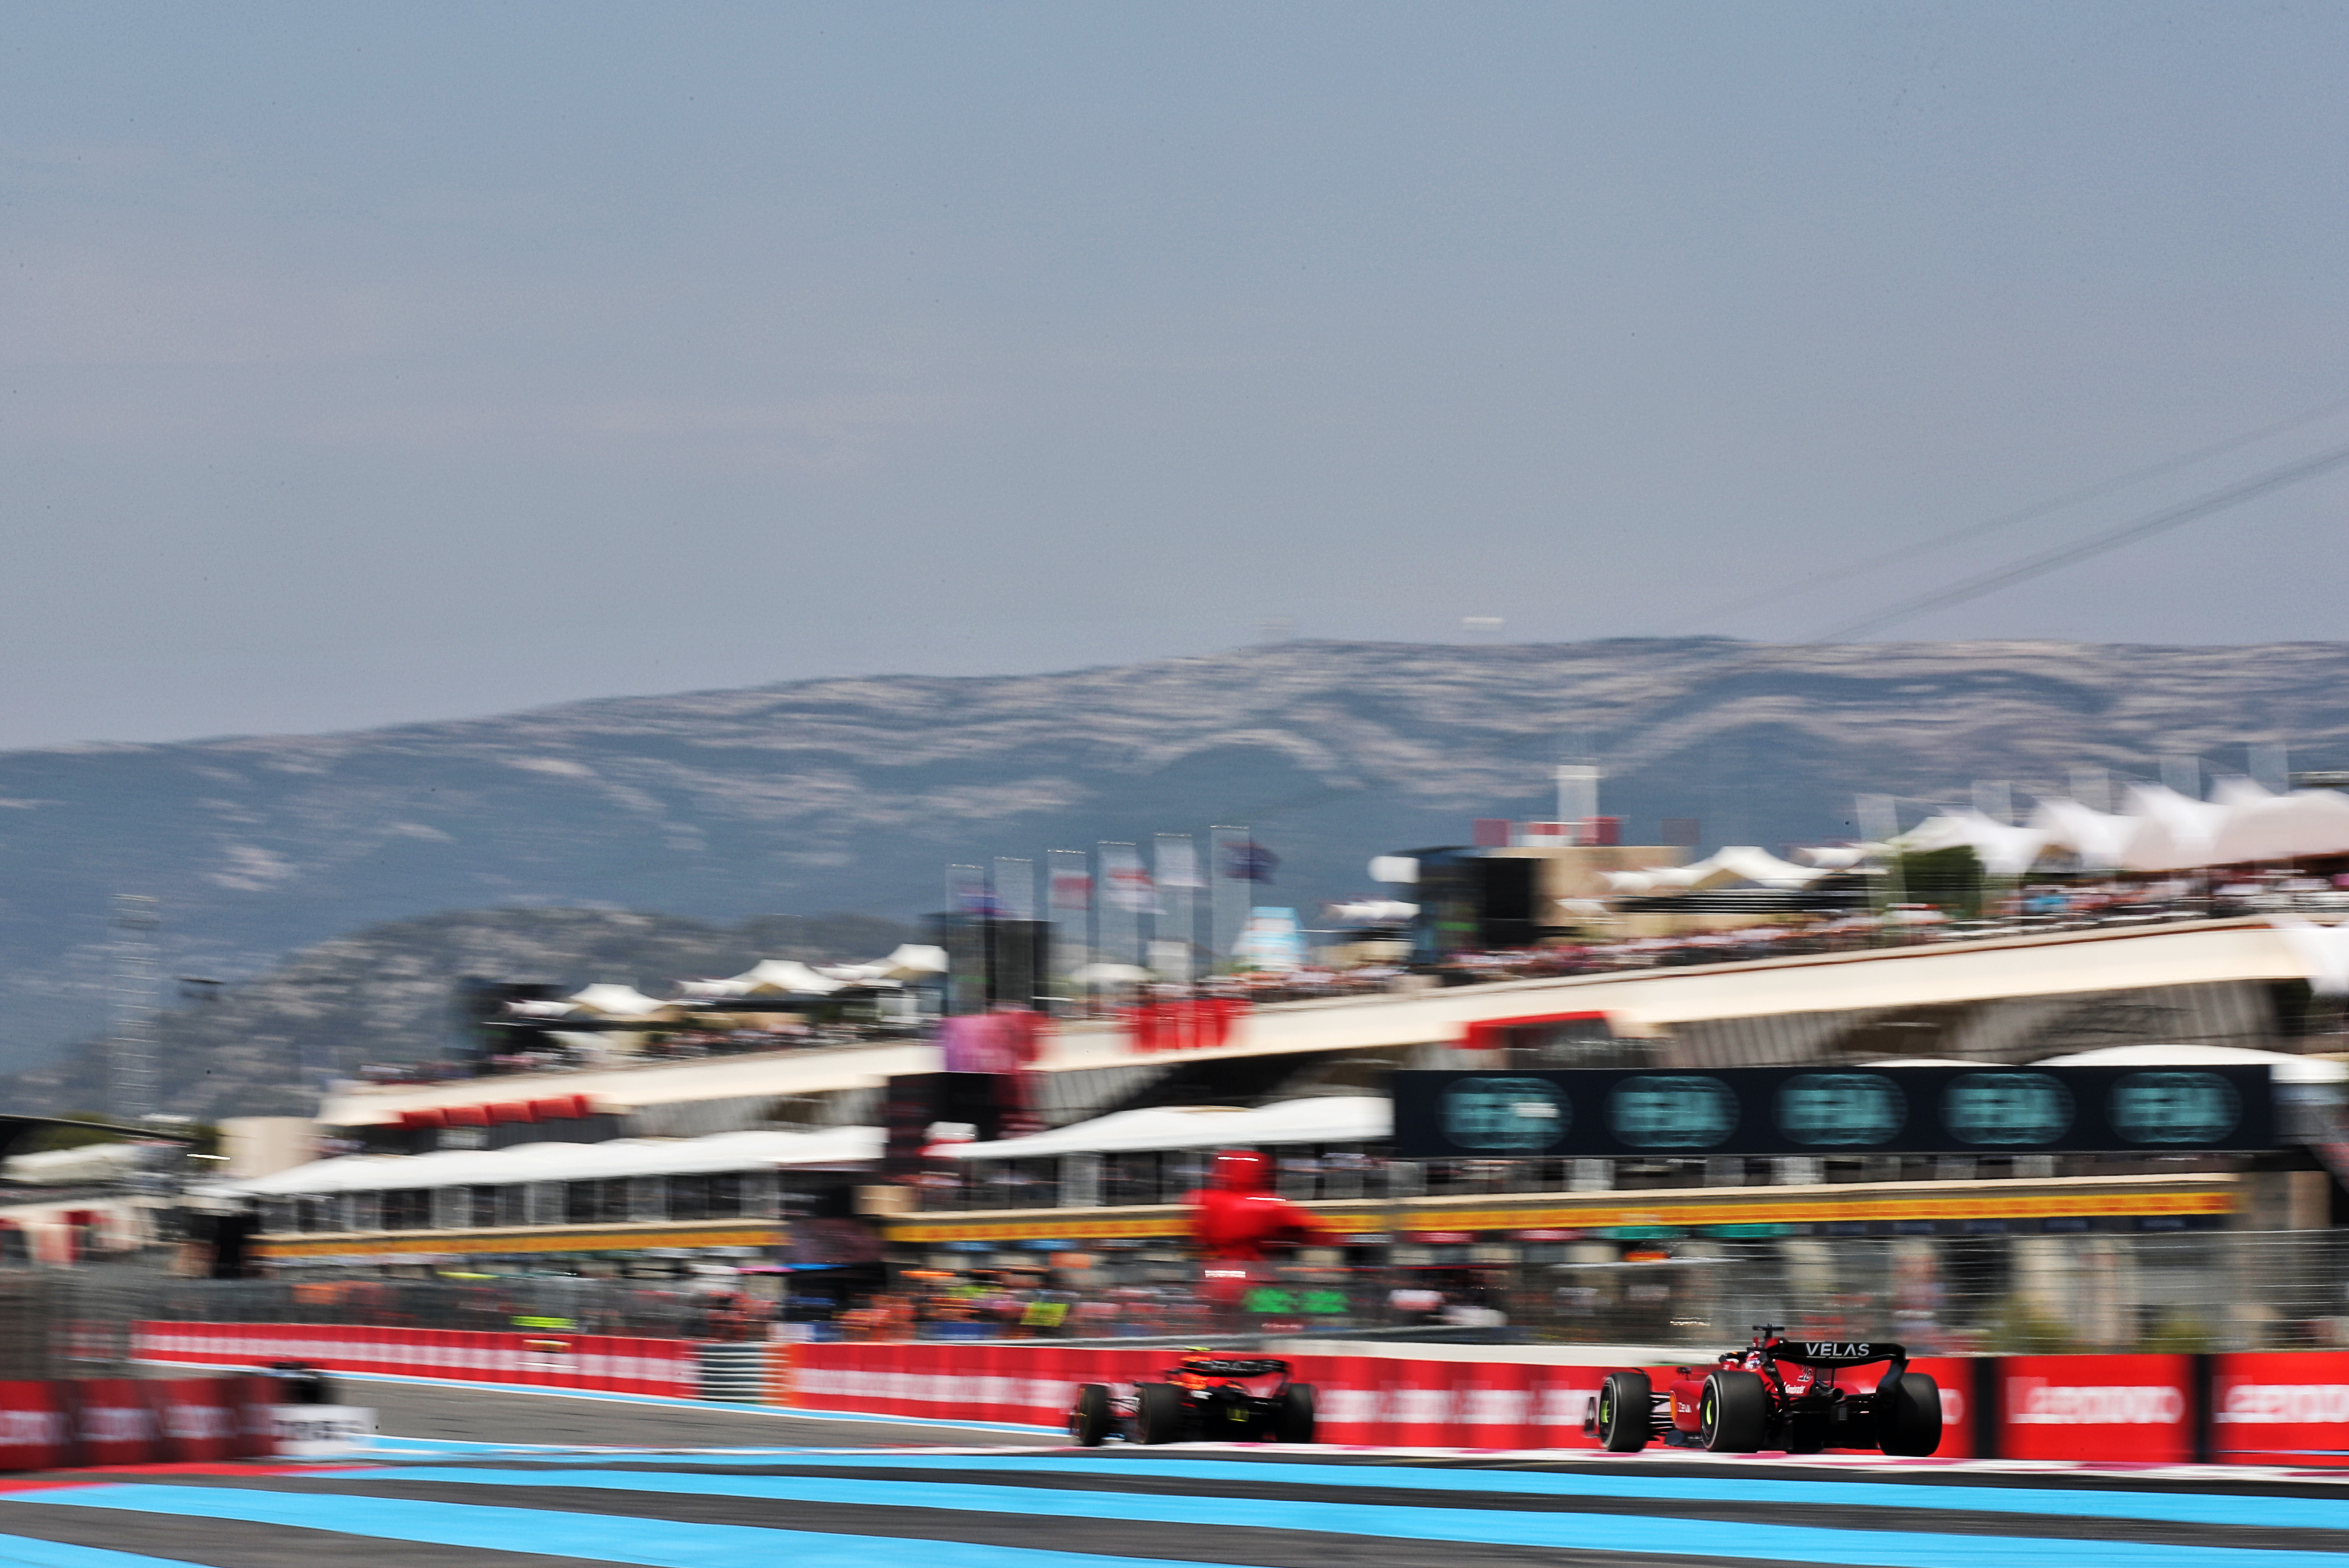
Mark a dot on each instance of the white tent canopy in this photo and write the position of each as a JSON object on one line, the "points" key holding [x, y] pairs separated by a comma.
{"points": [[783, 977], [570, 1162], [2005, 850], [2158, 830], [909, 960], [1108, 974], [616, 1002], [1330, 1119], [1723, 867]]}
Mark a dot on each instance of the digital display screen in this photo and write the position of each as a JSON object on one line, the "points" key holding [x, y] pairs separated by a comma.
{"points": [[1990, 1110]]}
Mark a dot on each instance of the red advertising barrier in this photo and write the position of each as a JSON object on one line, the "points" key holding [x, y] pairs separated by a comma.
{"points": [[198, 1418], [604, 1363], [256, 1400], [1345, 1397], [1400, 1401], [2132, 1408], [2281, 1407], [36, 1426], [115, 1422]]}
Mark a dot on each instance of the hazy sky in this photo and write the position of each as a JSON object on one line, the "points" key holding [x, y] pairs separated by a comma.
{"points": [[371, 362]]}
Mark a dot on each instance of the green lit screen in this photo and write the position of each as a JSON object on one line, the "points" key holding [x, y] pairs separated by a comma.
{"points": [[1758, 1110]]}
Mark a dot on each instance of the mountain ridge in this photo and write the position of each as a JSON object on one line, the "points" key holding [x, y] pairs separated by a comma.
{"points": [[855, 793]]}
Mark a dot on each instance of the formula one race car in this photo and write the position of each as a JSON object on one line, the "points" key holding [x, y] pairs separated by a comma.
{"points": [[1204, 1395], [299, 1383], [1775, 1394]]}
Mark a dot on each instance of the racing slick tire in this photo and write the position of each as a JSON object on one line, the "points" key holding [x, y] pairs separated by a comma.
{"points": [[1733, 1412], [1158, 1413], [1293, 1422], [1909, 1415], [1090, 1420], [1624, 1419]]}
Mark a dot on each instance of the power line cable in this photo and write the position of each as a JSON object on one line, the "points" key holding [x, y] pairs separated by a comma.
{"points": [[2008, 519], [2095, 545]]}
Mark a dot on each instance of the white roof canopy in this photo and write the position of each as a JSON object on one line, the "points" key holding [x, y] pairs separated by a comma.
{"points": [[1333, 1118], [570, 1162]]}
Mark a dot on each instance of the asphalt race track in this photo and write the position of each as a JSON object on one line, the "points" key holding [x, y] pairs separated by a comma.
{"points": [[488, 1481]]}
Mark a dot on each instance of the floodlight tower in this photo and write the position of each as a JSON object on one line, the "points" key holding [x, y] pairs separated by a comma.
{"points": [[130, 1052]]}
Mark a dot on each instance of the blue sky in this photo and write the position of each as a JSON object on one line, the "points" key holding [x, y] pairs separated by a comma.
{"points": [[365, 363]]}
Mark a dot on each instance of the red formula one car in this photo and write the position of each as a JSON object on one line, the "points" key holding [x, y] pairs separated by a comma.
{"points": [[1775, 1394], [1204, 1395]]}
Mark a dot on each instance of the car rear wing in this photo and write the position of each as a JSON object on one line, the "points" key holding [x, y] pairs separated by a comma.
{"points": [[1837, 1352]]}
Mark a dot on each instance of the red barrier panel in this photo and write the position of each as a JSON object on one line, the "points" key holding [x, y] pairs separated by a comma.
{"points": [[890, 1384], [255, 1401], [2281, 1407], [630, 1373], [36, 1429], [2132, 1408], [1347, 1401], [1493, 1404], [115, 1422], [665, 1368], [197, 1417], [1419, 1398], [992, 1400], [1055, 1375], [1954, 1376]]}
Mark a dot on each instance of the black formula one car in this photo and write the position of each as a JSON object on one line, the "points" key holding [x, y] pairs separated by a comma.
{"points": [[1235, 1398], [299, 1383], [1775, 1394]]}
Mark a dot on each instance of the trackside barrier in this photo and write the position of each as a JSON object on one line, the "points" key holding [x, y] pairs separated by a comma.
{"points": [[135, 1421], [37, 1424], [602, 1363], [2261, 1407], [2091, 1406]]}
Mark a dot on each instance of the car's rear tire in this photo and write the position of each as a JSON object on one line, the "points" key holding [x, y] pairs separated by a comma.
{"points": [[1089, 1420], [1909, 1415], [1294, 1421], [1158, 1416], [1733, 1412], [1625, 1400]]}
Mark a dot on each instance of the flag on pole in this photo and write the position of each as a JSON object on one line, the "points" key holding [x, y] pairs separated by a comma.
{"points": [[1179, 862], [1072, 882], [1245, 860], [1126, 883]]}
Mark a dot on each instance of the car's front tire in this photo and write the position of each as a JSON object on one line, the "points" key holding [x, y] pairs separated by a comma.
{"points": [[1089, 1420], [1623, 1417], [1733, 1412]]}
